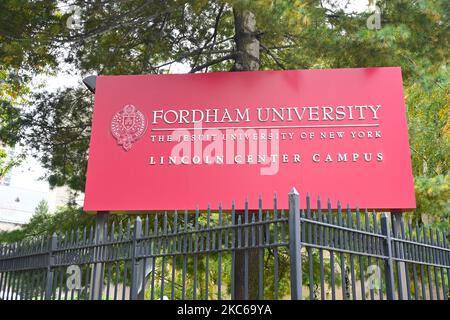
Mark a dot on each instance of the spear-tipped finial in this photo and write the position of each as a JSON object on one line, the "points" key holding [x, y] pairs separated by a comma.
{"points": [[294, 191]]}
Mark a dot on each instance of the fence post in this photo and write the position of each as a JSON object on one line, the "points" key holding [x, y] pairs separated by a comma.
{"points": [[295, 245], [135, 261], [51, 262], [388, 265]]}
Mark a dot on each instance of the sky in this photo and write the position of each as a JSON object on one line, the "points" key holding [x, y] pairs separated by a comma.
{"points": [[29, 173]]}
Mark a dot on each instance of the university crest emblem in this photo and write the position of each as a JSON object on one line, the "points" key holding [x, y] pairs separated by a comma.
{"points": [[128, 126]]}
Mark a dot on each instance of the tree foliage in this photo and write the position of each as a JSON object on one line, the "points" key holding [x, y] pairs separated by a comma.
{"points": [[61, 134], [44, 223], [429, 125], [433, 199], [11, 91]]}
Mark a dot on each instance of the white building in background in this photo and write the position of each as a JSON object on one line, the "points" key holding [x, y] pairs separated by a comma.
{"points": [[20, 193], [17, 205], [60, 196], [22, 190]]}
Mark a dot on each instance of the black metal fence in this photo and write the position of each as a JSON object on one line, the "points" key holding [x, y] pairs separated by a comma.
{"points": [[216, 254]]}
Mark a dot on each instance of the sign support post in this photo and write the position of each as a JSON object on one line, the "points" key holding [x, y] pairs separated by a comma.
{"points": [[397, 222], [101, 221], [246, 261]]}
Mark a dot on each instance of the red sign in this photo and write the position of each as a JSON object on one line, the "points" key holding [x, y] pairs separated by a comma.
{"points": [[182, 141]]}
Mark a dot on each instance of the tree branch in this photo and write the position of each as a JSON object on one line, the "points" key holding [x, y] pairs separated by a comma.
{"points": [[213, 36], [277, 61], [213, 62], [116, 22], [192, 53]]}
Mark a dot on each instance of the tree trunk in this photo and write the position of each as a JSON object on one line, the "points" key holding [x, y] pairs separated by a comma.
{"points": [[247, 59], [247, 42]]}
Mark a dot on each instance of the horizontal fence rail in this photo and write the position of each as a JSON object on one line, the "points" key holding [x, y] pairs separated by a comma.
{"points": [[250, 254]]}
